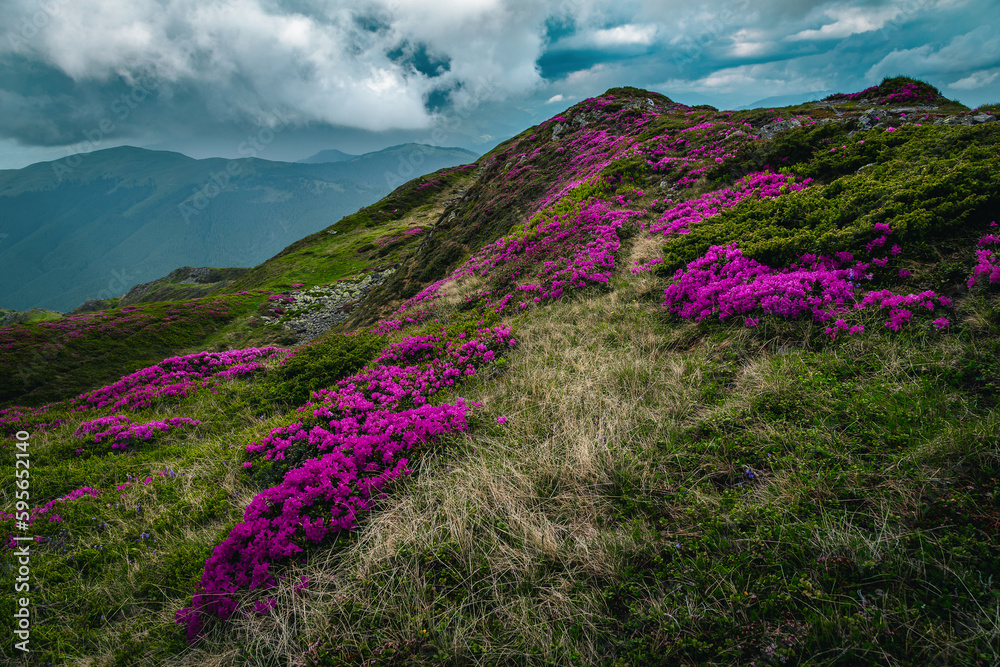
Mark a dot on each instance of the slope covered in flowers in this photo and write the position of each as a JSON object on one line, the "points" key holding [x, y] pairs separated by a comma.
{"points": [[650, 384]]}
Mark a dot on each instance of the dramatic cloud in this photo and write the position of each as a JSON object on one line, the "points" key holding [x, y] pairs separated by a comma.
{"points": [[975, 80], [971, 51], [375, 71], [849, 21]]}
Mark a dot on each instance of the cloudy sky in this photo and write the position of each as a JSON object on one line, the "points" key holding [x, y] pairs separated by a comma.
{"points": [[203, 76]]}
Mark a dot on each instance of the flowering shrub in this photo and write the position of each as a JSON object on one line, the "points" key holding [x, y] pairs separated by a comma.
{"points": [[897, 90], [762, 185], [175, 377], [988, 260], [122, 431], [725, 283], [563, 250], [46, 510], [351, 444], [18, 418]]}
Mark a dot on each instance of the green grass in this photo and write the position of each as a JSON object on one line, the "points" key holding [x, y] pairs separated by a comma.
{"points": [[656, 503], [46, 364]]}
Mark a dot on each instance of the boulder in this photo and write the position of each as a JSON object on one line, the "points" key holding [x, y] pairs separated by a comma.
{"points": [[871, 118], [770, 130], [955, 120]]}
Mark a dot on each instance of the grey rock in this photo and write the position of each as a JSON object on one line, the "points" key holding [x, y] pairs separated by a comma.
{"points": [[311, 322], [871, 118], [984, 118], [770, 130], [955, 120]]}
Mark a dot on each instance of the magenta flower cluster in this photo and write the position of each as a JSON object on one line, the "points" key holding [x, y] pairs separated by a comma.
{"points": [[910, 92], [988, 260], [760, 185], [724, 283], [122, 431], [19, 418], [84, 492], [175, 377], [46, 510], [561, 251], [356, 435]]}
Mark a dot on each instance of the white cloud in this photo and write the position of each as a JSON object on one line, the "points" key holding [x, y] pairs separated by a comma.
{"points": [[750, 49], [624, 35], [555, 98], [848, 21], [976, 49], [975, 80]]}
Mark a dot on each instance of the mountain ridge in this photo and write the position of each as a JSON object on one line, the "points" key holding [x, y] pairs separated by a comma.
{"points": [[125, 214]]}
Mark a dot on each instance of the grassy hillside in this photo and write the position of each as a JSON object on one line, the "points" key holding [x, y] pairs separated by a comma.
{"points": [[646, 385]]}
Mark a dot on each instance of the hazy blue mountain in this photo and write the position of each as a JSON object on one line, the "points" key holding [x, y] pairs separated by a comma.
{"points": [[331, 155], [127, 215], [786, 100]]}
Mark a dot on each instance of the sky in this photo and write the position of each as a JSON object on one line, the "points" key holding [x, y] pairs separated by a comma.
{"points": [[284, 79]]}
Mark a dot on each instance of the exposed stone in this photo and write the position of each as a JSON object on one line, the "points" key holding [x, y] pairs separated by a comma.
{"points": [[984, 118], [955, 120], [768, 131], [317, 309], [871, 118]]}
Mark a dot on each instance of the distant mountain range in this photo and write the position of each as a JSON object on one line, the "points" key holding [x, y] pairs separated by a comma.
{"points": [[786, 100], [94, 225], [332, 155]]}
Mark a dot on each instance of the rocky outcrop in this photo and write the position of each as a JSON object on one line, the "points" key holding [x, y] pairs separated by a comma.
{"points": [[315, 310], [966, 120], [871, 118], [771, 129]]}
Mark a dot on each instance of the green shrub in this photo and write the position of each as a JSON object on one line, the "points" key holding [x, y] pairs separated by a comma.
{"points": [[314, 366], [934, 187]]}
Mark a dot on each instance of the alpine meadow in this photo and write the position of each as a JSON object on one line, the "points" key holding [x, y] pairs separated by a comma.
{"points": [[646, 384]]}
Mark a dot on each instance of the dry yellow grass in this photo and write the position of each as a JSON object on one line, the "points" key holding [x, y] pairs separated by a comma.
{"points": [[523, 509]]}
